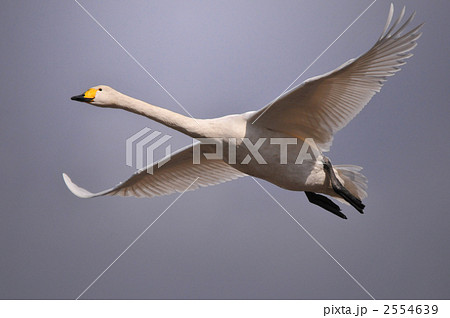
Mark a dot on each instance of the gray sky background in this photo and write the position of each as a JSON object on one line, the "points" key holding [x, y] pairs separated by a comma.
{"points": [[231, 240]]}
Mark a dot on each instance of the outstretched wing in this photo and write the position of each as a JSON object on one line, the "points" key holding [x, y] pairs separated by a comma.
{"points": [[176, 175], [323, 105]]}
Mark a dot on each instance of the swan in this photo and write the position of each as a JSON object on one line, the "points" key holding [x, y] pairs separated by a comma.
{"points": [[269, 142]]}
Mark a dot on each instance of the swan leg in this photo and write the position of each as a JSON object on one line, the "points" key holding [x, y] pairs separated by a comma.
{"points": [[340, 189], [325, 203]]}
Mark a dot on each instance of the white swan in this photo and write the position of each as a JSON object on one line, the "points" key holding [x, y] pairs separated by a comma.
{"points": [[316, 110]]}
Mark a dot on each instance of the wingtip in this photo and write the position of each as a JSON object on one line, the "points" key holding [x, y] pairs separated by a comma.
{"points": [[76, 190], [388, 21]]}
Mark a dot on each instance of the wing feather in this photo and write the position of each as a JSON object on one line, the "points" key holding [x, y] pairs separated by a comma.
{"points": [[174, 176], [323, 105]]}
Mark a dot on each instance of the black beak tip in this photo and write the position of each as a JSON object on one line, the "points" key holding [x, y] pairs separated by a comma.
{"points": [[81, 98]]}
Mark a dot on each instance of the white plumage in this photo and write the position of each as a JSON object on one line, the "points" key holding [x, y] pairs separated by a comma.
{"points": [[316, 109]]}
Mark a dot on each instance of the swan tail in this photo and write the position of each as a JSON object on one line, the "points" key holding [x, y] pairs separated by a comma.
{"points": [[354, 181]]}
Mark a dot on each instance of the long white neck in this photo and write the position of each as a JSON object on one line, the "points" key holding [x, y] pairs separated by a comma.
{"points": [[195, 128]]}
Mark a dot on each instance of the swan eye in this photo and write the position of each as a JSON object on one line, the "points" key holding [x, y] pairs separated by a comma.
{"points": [[100, 89]]}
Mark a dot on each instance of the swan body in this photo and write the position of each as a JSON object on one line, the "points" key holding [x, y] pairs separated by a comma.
{"points": [[266, 143]]}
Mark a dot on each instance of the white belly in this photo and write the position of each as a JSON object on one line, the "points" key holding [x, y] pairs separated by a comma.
{"points": [[290, 166], [257, 151]]}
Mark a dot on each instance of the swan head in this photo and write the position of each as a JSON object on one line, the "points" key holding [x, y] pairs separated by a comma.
{"points": [[100, 95]]}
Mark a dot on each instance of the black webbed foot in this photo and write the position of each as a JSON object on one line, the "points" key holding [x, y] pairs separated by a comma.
{"points": [[340, 189], [325, 203]]}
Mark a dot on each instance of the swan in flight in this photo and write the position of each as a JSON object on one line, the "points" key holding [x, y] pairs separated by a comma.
{"points": [[282, 143]]}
